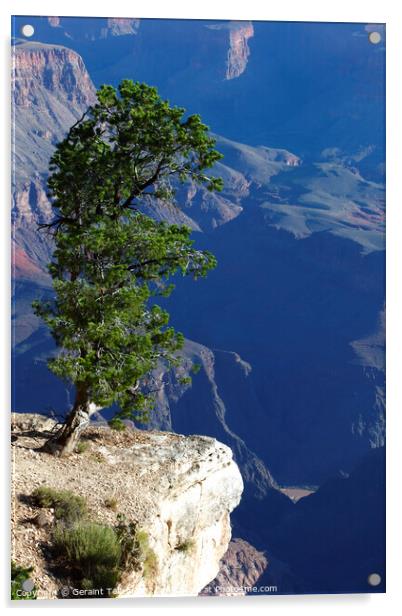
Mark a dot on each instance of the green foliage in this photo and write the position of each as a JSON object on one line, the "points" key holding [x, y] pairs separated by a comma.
{"points": [[68, 507], [110, 259], [81, 447], [131, 549], [136, 551], [195, 368], [187, 380], [149, 559], [185, 546], [91, 552], [18, 576], [117, 424], [95, 556]]}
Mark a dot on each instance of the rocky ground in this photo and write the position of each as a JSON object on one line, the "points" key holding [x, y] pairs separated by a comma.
{"points": [[173, 486], [79, 473]]}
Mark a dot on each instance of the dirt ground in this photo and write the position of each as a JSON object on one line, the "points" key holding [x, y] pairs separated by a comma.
{"points": [[92, 474]]}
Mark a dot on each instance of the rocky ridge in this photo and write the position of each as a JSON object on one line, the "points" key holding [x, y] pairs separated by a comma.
{"points": [[51, 89], [203, 406], [111, 26]]}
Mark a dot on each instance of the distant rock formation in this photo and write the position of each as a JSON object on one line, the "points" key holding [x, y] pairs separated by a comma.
{"points": [[179, 490], [57, 69], [111, 26], [239, 51], [54, 21], [121, 26], [51, 90], [241, 567]]}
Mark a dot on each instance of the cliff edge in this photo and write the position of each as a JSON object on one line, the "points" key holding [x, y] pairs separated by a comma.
{"points": [[179, 490]]}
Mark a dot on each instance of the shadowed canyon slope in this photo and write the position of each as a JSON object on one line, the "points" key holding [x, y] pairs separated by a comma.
{"points": [[303, 87], [289, 327], [298, 283]]}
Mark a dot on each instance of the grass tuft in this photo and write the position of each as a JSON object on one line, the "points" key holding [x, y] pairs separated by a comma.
{"points": [[68, 507], [81, 447]]}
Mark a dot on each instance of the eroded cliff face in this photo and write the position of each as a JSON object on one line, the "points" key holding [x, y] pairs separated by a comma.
{"points": [[100, 28], [51, 89], [121, 26], [239, 51], [197, 486], [179, 490], [57, 69]]}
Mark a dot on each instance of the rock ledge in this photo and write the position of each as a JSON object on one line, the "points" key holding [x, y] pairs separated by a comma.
{"points": [[179, 489]]}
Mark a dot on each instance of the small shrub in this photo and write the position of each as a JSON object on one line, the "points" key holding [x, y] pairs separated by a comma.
{"points": [[195, 368], [19, 575], [95, 556], [81, 447], [68, 507], [92, 552], [117, 424], [185, 546], [148, 556], [98, 457], [112, 503], [131, 552], [44, 496], [136, 551]]}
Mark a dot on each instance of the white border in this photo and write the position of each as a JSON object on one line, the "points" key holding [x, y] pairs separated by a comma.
{"points": [[291, 10]]}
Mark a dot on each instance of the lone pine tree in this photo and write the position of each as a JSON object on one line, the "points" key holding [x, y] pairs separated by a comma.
{"points": [[111, 259]]}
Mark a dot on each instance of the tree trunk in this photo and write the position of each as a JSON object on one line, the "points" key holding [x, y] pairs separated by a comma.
{"points": [[66, 439]]}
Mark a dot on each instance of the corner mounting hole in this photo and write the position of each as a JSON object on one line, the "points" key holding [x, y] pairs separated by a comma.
{"points": [[28, 30], [375, 38], [374, 579]]}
